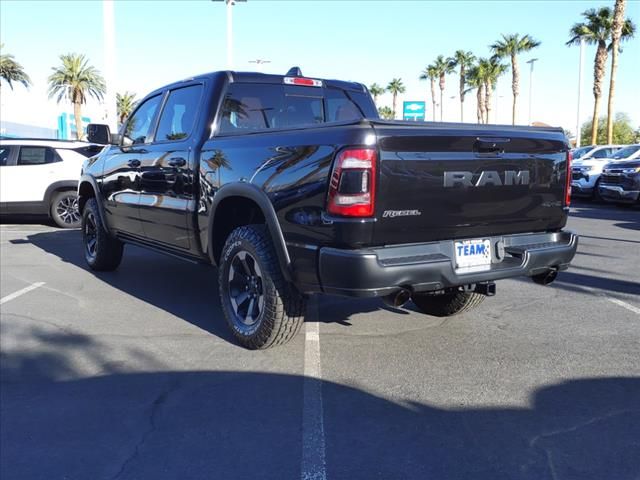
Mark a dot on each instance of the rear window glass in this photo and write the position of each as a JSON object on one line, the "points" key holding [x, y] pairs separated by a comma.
{"points": [[339, 107], [255, 107], [35, 156]]}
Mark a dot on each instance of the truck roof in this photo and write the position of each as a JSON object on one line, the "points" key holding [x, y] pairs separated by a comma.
{"points": [[257, 77]]}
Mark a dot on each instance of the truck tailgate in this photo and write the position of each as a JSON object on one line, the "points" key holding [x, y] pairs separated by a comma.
{"points": [[441, 181]]}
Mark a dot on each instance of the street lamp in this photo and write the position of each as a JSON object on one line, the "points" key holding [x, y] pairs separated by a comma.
{"points": [[109, 45], [531, 62], [230, 4], [259, 61], [579, 91]]}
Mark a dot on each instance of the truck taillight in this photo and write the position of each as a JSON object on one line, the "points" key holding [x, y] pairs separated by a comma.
{"points": [[567, 191], [352, 189]]}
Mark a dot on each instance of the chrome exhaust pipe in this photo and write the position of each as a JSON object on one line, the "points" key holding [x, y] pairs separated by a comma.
{"points": [[397, 299], [545, 278]]}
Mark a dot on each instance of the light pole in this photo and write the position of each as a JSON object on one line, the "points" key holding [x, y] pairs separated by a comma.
{"points": [[109, 45], [259, 61], [579, 91], [230, 4], [531, 62]]}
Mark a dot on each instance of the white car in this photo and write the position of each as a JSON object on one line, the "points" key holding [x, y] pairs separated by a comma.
{"points": [[587, 166], [41, 177]]}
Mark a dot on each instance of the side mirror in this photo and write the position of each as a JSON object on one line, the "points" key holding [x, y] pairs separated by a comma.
{"points": [[99, 133]]}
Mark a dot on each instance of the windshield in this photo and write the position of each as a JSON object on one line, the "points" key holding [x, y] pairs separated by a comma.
{"points": [[626, 152], [581, 152]]}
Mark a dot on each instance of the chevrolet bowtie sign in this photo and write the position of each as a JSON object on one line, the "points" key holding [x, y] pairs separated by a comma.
{"points": [[413, 111]]}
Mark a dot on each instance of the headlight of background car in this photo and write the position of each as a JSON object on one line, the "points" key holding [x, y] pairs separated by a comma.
{"points": [[631, 170], [586, 168]]}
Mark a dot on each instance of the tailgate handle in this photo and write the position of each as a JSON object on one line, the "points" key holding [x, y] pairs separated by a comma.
{"points": [[490, 144]]}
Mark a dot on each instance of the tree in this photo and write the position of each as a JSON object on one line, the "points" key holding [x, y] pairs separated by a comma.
{"points": [[75, 80], [443, 66], [596, 30], [616, 36], [510, 46], [490, 70], [430, 73], [463, 60], [475, 79], [395, 87], [386, 113], [12, 71], [623, 132], [375, 90], [125, 102]]}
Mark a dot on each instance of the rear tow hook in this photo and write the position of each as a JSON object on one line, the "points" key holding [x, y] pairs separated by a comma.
{"points": [[486, 288]]}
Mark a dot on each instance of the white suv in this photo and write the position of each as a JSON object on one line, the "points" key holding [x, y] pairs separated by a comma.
{"points": [[587, 167], [41, 177]]}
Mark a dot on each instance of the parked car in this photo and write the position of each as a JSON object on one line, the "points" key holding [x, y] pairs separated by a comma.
{"points": [[587, 168], [293, 186], [620, 181], [40, 177], [628, 153]]}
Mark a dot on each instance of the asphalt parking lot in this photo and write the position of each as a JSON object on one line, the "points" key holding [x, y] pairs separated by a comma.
{"points": [[133, 375]]}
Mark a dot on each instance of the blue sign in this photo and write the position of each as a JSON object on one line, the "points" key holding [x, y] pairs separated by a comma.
{"points": [[413, 111]]}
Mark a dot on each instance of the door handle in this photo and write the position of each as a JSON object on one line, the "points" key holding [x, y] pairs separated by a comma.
{"points": [[134, 163], [177, 162]]}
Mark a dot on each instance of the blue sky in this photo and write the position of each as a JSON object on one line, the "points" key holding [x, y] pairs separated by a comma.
{"points": [[368, 41]]}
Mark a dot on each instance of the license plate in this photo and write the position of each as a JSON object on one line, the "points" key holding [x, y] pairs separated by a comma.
{"points": [[472, 255]]}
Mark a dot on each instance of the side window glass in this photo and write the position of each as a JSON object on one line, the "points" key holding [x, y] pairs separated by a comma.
{"points": [[5, 155], [140, 125], [179, 113], [35, 156], [250, 107], [339, 107], [600, 153]]}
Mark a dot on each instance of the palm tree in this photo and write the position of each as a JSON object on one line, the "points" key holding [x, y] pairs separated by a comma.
{"points": [[12, 71], [511, 46], [618, 33], [375, 90], [431, 73], [386, 113], [395, 87], [475, 79], [74, 80], [490, 70], [444, 66], [124, 104], [596, 30], [463, 60]]}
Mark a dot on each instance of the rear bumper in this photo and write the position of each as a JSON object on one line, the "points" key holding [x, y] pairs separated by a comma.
{"points": [[430, 266]]}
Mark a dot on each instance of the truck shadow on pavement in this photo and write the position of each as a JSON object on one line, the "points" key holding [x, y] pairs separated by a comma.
{"points": [[244, 425], [627, 216], [181, 288]]}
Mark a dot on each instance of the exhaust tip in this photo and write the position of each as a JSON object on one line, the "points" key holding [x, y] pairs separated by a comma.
{"points": [[545, 278], [397, 299]]}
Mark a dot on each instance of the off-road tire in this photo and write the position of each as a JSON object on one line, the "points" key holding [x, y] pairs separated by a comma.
{"points": [[106, 253], [64, 209], [284, 307], [447, 304]]}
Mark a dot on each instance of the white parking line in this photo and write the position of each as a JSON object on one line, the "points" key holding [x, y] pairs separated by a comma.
{"points": [[313, 460], [624, 305], [17, 294]]}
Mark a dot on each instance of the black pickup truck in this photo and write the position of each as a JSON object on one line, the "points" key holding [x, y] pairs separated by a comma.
{"points": [[294, 185]]}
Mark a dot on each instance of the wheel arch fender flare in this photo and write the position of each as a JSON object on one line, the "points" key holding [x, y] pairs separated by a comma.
{"points": [[58, 186], [260, 198], [88, 179]]}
